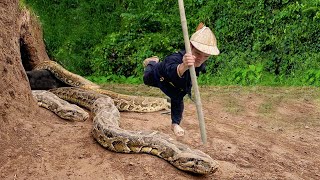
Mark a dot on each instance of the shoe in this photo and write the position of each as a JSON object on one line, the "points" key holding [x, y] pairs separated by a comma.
{"points": [[153, 58]]}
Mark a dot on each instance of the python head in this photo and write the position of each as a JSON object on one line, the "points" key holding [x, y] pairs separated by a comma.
{"points": [[72, 113], [195, 163]]}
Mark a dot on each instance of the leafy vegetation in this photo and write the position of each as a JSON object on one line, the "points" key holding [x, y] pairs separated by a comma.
{"points": [[262, 42]]}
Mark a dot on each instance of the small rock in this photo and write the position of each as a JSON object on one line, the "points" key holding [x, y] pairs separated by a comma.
{"points": [[307, 127]]}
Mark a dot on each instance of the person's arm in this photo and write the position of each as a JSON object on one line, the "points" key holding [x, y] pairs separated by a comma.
{"points": [[181, 69], [187, 61]]}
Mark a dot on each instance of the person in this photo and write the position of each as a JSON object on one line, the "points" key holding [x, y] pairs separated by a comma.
{"points": [[172, 74]]}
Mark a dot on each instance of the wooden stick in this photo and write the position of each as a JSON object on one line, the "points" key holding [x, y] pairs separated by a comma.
{"points": [[193, 73]]}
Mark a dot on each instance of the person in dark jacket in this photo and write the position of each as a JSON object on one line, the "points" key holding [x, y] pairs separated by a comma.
{"points": [[172, 75]]}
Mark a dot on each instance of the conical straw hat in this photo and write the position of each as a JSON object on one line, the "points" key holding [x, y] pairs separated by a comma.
{"points": [[205, 41]]}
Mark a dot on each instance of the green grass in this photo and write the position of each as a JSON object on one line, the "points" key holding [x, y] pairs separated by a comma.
{"points": [[270, 43]]}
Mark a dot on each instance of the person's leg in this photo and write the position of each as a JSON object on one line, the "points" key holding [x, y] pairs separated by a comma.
{"points": [[177, 107], [148, 75], [150, 59]]}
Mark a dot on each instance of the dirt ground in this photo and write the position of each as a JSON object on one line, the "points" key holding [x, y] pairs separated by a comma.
{"points": [[253, 133]]}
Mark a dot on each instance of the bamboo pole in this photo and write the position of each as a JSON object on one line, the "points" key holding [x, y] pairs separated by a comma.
{"points": [[193, 73]]}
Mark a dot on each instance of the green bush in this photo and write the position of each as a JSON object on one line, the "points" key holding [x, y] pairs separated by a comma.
{"points": [[264, 42], [312, 77]]}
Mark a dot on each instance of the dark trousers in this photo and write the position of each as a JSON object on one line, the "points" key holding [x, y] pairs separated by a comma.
{"points": [[177, 104], [148, 75]]}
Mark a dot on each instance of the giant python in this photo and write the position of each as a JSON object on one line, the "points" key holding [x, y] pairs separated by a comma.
{"points": [[105, 106]]}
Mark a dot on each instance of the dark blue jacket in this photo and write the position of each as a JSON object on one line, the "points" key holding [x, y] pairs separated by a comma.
{"points": [[166, 78]]}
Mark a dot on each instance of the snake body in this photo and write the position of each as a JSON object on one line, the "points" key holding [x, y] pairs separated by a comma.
{"points": [[105, 106], [107, 132], [122, 101], [60, 107]]}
